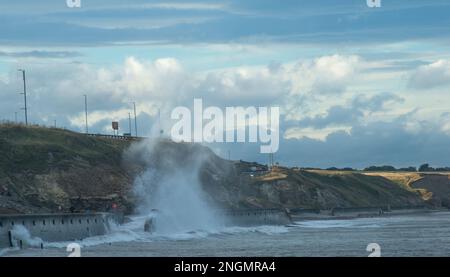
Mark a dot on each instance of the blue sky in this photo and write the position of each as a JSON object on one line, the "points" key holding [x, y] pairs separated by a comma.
{"points": [[356, 85]]}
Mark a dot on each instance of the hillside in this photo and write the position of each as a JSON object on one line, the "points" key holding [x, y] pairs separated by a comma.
{"points": [[44, 169], [434, 187], [304, 189], [51, 170]]}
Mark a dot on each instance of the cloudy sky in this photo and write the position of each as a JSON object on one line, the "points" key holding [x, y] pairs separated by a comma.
{"points": [[356, 86]]}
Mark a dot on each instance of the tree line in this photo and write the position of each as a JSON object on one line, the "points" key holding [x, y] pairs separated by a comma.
{"points": [[423, 168]]}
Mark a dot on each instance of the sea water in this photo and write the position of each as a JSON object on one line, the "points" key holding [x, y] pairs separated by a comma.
{"points": [[412, 235]]}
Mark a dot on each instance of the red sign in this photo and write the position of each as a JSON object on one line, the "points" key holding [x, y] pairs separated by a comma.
{"points": [[115, 125]]}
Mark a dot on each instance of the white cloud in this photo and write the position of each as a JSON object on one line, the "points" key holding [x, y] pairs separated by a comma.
{"points": [[164, 83], [444, 122], [56, 92], [431, 75], [244, 86], [301, 89], [326, 74], [312, 133]]}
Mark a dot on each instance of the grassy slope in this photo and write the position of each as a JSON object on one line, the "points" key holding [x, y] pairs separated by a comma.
{"points": [[45, 167], [363, 190], [327, 189], [50, 167], [433, 187], [32, 148]]}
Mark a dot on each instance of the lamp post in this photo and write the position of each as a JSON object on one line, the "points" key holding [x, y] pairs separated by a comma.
{"points": [[135, 120], [86, 113], [24, 95], [129, 122]]}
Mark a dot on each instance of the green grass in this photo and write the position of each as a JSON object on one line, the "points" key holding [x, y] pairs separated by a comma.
{"points": [[361, 190], [32, 148]]}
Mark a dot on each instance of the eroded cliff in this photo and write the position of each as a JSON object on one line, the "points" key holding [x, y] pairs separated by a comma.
{"points": [[53, 170]]}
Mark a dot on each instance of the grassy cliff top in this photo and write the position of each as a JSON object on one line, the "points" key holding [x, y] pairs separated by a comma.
{"points": [[32, 147]]}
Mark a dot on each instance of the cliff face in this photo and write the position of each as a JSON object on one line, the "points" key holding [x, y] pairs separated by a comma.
{"points": [[51, 170], [434, 187], [241, 184], [302, 189]]}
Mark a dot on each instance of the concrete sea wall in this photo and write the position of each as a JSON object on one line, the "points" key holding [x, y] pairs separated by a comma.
{"points": [[336, 213], [345, 213], [253, 217], [20, 230], [356, 212]]}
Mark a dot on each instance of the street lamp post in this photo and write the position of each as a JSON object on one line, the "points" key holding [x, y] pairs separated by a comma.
{"points": [[129, 122], [135, 120], [24, 95], [86, 113]]}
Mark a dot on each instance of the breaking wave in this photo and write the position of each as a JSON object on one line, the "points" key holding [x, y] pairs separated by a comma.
{"points": [[134, 231], [341, 223]]}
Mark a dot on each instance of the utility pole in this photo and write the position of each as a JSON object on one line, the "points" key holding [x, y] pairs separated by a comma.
{"points": [[86, 113], [129, 121], [135, 119], [271, 161], [15, 117], [24, 95], [55, 123]]}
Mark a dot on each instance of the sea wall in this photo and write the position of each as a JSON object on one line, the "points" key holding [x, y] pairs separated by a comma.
{"points": [[342, 213], [309, 214], [254, 217], [52, 227], [356, 212], [336, 213]]}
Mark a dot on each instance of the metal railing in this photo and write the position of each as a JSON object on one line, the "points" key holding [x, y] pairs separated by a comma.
{"points": [[117, 137]]}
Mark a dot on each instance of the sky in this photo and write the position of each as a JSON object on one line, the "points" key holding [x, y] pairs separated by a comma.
{"points": [[356, 86]]}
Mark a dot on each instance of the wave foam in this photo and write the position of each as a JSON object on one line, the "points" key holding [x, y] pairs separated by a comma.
{"points": [[134, 231], [340, 223]]}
